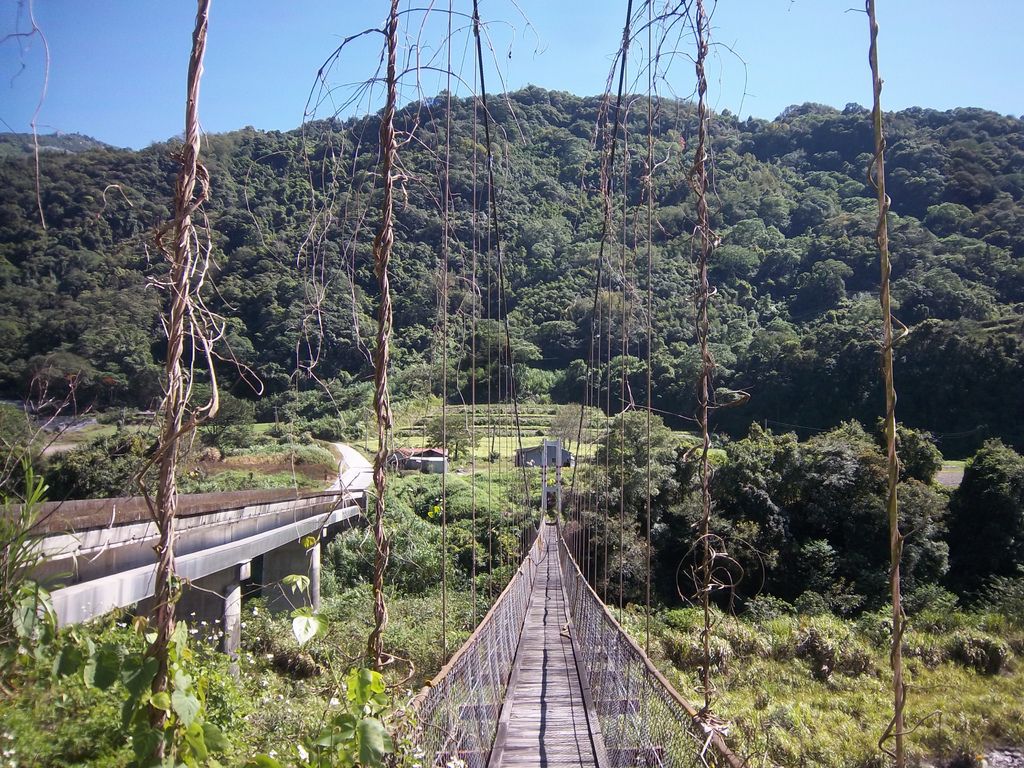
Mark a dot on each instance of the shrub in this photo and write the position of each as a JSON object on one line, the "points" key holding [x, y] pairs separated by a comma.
{"points": [[979, 652], [828, 646], [1005, 594], [687, 651], [331, 428], [765, 607], [930, 597], [811, 604], [930, 649]]}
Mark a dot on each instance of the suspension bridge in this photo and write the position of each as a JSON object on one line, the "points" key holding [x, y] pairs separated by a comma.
{"points": [[550, 678]]}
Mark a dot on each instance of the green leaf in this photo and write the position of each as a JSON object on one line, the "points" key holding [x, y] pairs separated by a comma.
{"points": [[195, 737], [161, 700], [144, 741], [363, 685], [308, 542], [26, 618], [182, 680], [374, 742], [262, 761], [185, 706], [103, 667], [216, 741], [68, 661], [341, 731], [138, 675], [306, 625], [297, 581]]}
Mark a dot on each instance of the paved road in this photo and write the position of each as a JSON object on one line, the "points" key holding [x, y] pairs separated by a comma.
{"points": [[355, 473]]}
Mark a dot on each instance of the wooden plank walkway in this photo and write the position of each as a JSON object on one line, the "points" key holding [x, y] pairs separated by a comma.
{"points": [[544, 722]]}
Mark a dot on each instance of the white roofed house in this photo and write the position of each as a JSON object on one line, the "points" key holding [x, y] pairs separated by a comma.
{"points": [[432, 461], [533, 456]]}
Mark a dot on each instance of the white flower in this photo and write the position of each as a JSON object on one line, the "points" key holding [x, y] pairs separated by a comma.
{"points": [[303, 754], [334, 701]]}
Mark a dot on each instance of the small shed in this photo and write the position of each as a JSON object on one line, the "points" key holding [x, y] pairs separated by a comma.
{"points": [[426, 460], [533, 456]]}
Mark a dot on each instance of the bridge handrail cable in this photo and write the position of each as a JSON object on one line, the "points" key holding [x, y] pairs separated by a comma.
{"points": [[643, 719], [457, 711]]}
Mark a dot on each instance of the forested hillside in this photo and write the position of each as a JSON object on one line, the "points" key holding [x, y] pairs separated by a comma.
{"points": [[795, 321]]}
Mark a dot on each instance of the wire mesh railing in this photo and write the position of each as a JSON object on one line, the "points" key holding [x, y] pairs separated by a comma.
{"points": [[643, 720], [457, 712]]}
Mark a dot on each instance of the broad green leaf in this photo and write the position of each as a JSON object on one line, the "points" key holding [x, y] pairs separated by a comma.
{"points": [[68, 661], [182, 680], [185, 706], [262, 761], [137, 675], [144, 741], [216, 741], [363, 684], [103, 666], [341, 731], [374, 742], [26, 618], [297, 581], [161, 700], [307, 626], [195, 737], [308, 542]]}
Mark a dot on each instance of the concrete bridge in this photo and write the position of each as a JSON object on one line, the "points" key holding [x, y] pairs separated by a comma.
{"points": [[100, 551]]}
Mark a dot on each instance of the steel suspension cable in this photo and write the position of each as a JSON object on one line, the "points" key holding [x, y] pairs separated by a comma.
{"points": [[624, 350], [606, 496], [502, 296], [445, 245], [650, 310], [607, 171], [472, 387]]}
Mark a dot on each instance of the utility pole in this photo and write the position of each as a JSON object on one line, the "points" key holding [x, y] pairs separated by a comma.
{"points": [[543, 478], [558, 476]]}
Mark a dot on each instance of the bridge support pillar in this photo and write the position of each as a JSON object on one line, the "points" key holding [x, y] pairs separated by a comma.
{"points": [[212, 605], [292, 558]]}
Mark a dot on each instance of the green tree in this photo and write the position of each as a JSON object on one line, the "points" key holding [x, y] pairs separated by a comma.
{"points": [[986, 520], [232, 427], [453, 434], [103, 468]]}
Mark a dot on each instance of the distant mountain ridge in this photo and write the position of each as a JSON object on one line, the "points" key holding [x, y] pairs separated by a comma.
{"points": [[794, 321], [19, 144]]}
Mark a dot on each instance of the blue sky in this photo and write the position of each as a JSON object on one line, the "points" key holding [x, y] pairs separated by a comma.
{"points": [[118, 66]]}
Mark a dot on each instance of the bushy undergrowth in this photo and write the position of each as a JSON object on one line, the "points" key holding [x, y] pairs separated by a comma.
{"points": [[242, 480], [59, 723], [814, 690]]}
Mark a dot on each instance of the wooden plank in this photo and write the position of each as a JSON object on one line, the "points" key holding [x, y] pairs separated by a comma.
{"points": [[546, 723]]}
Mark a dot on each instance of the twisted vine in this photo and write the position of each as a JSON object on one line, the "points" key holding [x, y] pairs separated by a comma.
{"points": [[383, 244]]}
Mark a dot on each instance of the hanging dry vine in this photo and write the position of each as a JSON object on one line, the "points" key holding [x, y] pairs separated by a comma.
{"points": [[382, 247], [190, 325], [876, 175], [706, 241]]}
